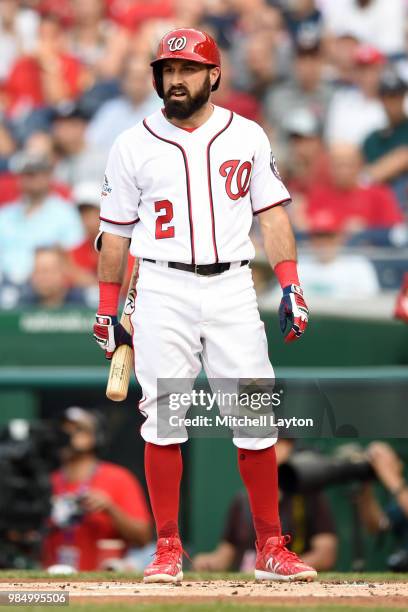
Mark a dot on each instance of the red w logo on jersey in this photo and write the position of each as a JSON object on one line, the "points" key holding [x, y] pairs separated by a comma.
{"points": [[242, 172]]}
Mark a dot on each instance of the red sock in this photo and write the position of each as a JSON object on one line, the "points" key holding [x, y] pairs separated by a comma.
{"points": [[163, 467], [259, 473]]}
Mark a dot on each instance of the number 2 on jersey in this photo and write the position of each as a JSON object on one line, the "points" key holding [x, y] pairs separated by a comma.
{"points": [[166, 209]]}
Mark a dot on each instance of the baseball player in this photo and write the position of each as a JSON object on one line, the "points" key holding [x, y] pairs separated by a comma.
{"points": [[183, 186]]}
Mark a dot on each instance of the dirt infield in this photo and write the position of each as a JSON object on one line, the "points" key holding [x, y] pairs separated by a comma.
{"points": [[361, 593]]}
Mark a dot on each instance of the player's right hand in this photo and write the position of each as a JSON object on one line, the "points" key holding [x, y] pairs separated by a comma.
{"points": [[109, 334]]}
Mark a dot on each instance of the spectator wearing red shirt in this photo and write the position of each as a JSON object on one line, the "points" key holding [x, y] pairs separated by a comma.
{"points": [[306, 162], [358, 207], [84, 257], [47, 76], [93, 500]]}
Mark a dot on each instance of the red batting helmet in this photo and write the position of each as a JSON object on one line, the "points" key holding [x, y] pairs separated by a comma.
{"points": [[187, 44]]}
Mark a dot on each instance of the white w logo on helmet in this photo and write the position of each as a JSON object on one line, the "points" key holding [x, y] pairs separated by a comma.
{"points": [[177, 43]]}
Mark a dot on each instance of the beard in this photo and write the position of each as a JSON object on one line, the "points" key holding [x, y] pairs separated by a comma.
{"points": [[183, 109]]}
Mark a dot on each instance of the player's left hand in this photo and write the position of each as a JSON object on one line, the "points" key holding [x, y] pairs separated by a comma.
{"points": [[293, 309]]}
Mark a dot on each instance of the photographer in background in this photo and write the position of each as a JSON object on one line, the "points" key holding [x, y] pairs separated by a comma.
{"points": [[93, 500], [306, 516], [388, 468]]}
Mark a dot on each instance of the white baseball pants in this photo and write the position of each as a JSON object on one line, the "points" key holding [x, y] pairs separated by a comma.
{"points": [[183, 322]]}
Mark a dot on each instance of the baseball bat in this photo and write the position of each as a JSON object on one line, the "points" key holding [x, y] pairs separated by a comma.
{"points": [[122, 360]]}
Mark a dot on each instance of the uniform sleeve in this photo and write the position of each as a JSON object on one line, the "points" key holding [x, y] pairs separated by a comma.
{"points": [[120, 196], [267, 189]]}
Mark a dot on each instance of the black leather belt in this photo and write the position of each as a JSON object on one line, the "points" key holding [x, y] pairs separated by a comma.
{"points": [[203, 269]]}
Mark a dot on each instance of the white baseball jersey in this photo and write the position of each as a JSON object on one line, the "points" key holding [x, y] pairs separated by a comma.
{"points": [[190, 196]]}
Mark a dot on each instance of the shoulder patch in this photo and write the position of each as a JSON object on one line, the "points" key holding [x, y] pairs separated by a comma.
{"points": [[106, 189]]}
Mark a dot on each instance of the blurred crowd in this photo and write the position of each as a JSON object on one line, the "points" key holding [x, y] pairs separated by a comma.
{"points": [[326, 80]]}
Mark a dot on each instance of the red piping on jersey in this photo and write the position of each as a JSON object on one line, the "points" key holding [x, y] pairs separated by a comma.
{"points": [[272, 205], [119, 222], [209, 184], [190, 215]]}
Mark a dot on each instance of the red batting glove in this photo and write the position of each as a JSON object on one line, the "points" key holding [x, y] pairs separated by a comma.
{"points": [[109, 334]]}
